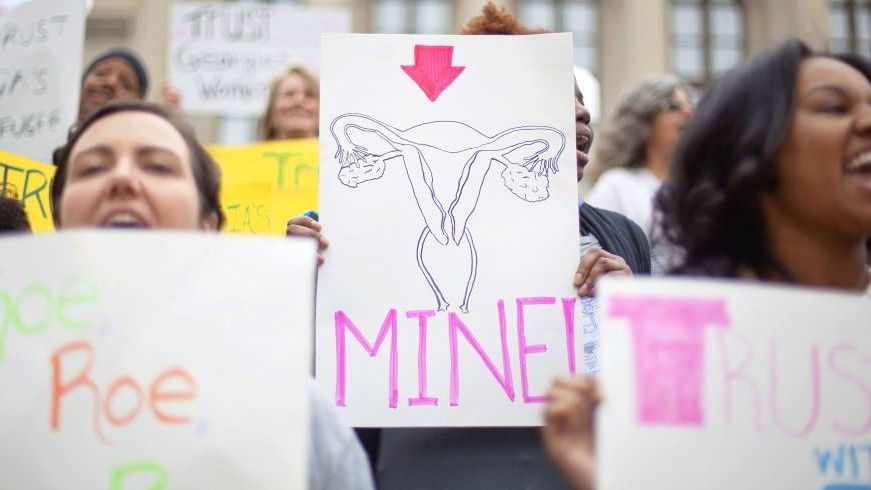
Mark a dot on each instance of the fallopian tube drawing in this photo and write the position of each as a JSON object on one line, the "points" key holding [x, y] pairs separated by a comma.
{"points": [[527, 153]]}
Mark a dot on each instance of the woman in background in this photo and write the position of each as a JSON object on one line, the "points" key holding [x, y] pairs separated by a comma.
{"points": [[132, 164], [293, 110], [635, 149], [787, 125]]}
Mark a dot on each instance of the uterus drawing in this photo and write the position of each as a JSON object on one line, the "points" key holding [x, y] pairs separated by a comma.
{"points": [[527, 156]]}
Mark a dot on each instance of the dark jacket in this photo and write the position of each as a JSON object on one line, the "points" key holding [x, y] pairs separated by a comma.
{"points": [[618, 235]]}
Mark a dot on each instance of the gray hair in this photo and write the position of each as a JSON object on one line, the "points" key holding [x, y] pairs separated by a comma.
{"points": [[623, 141]]}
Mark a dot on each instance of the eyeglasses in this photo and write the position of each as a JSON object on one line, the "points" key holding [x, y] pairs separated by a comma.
{"points": [[675, 106]]}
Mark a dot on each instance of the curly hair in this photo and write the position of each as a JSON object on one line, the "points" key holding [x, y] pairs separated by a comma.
{"points": [[623, 142], [312, 88], [13, 216], [207, 175], [497, 20], [711, 206]]}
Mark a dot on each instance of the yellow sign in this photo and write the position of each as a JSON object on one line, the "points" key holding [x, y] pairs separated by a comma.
{"points": [[266, 184], [262, 185], [31, 181]]}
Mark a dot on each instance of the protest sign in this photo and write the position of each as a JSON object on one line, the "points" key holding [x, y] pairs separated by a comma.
{"points": [[126, 360], [448, 193], [7, 5], [41, 48], [29, 181], [265, 185], [726, 385], [223, 55]]}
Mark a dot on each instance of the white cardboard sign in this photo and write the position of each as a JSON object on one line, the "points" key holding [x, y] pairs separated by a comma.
{"points": [[724, 385], [224, 55], [40, 75], [448, 193], [7, 5], [154, 360]]}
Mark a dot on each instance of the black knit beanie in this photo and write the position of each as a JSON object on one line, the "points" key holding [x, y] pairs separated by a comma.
{"points": [[131, 58]]}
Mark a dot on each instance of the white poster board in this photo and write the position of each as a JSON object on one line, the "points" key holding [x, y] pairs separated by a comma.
{"points": [[448, 194], [40, 75], [224, 55], [154, 360], [7, 5], [722, 385]]}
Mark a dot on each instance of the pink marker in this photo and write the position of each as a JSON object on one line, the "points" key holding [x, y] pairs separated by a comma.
{"points": [[668, 340]]}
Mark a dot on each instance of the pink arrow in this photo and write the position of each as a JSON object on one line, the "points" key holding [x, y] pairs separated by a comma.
{"points": [[432, 70]]}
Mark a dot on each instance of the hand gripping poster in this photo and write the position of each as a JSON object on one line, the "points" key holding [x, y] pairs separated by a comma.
{"points": [[448, 195]]}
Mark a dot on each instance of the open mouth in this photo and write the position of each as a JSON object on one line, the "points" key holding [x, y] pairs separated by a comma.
{"points": [[124, 221], [98, 98], [583, 139], [100, 95], [296, 112], [860, 164]]}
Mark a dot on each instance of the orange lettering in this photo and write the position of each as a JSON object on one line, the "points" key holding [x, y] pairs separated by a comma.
{"points": [[59, 389], [158, 395]]}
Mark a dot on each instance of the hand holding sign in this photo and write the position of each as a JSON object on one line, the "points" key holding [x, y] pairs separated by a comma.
{"points": [[304, 226], [568, 433]]}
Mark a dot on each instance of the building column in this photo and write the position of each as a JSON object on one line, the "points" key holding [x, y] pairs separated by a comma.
{"points": [[150, 39], [359, 11], [633, 43], [770, 22]]}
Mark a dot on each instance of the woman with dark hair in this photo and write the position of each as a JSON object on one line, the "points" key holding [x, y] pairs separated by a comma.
{"points": [[771, 181], [778, 185], [132, 164], [163, 202]]}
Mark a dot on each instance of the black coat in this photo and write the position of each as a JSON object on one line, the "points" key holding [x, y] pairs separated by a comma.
{"points": [[618, 235]]}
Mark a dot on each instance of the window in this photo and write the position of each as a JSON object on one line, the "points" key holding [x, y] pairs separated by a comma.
{"points": [[850, 26], [707, 38], [580, 17], [411, 16]]}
